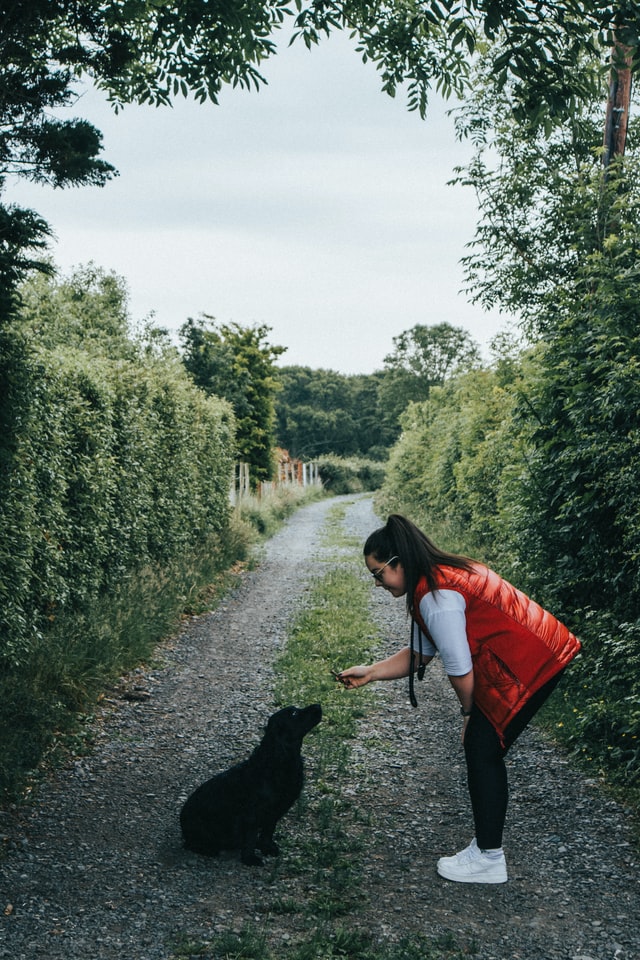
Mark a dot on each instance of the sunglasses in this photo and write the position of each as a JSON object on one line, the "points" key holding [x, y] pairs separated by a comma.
{"points": [[377, 574]]}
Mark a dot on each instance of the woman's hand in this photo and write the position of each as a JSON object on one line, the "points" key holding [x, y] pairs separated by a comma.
{"points": [[392, 668], [354, 677]]}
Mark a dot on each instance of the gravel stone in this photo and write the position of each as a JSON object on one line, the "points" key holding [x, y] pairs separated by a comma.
{"points": [[94, 869]]}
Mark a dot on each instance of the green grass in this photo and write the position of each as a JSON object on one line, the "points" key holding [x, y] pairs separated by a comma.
{"points": [[340, 943]]}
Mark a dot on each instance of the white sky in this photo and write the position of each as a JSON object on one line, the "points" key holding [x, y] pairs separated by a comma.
{"points": [[317, 206]]}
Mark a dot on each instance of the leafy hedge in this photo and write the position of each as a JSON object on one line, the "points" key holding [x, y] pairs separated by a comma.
{"points": [[106, 466], [536, 474], [341, 475]]}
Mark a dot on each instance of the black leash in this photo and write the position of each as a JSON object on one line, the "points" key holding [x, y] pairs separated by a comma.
{"points": [[421, 666]]}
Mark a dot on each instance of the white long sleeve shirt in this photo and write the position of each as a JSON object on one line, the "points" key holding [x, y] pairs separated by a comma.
{"points": [[443, 612]]}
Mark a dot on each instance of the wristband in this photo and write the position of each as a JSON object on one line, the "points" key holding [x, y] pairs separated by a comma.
{"points": [[465, 713]]}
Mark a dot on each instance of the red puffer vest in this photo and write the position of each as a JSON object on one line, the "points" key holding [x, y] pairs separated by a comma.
{"points": [[516, 646]]}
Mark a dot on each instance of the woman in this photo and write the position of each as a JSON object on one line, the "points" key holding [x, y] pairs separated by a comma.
{"points": [[503, 655]]}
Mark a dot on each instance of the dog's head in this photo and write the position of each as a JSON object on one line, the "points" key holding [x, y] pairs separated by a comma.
{"points": [[291, 724]]}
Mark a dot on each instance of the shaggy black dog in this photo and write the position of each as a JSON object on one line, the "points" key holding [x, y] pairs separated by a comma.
{"points": [[240, 807]]}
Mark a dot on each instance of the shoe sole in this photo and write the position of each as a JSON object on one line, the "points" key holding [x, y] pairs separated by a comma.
{"points": [[471, 879]]}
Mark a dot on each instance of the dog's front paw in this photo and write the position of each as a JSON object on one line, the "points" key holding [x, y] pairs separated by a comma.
{"points": [[251, 860], [270, 848]]}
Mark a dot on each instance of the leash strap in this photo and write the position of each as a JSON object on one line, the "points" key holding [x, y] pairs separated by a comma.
{"points": [[421, 665]]}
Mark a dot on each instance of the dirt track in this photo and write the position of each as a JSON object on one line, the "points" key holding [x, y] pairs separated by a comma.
{"points": [[94, 868]]}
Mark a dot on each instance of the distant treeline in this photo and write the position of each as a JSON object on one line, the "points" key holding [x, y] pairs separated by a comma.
{"points": [[321, 411]]}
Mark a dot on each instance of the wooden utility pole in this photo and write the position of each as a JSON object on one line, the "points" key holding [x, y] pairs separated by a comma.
{"points": [[618, 104]]}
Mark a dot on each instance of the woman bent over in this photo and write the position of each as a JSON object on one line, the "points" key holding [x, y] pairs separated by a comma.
{"points": [[503, 655]]}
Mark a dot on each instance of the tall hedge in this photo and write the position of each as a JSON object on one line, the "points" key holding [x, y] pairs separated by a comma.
{"points": [[538, 477], [106, 465], [447, 469]]}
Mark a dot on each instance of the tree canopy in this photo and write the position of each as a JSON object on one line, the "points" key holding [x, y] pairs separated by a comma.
{"points": [[423, 357], [238, 364], [141, 50], [322, 411]]}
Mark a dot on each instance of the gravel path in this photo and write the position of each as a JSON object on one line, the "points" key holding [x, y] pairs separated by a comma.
{"points": [[94, 869]]}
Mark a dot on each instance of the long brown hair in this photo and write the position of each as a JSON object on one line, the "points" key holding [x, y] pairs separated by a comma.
{"points": [[412, 548]]}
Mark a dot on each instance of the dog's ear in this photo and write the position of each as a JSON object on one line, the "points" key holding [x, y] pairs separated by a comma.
{"points": [[282, 717]]}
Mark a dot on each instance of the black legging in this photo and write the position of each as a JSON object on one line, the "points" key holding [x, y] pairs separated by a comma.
{"points": [[486, 770]]}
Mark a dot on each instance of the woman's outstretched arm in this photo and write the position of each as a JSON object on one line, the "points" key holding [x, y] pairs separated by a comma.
{"points": [[392, 668]]}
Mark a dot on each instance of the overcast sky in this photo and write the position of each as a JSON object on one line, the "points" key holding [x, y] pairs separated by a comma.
{"points": [[318, 206]]}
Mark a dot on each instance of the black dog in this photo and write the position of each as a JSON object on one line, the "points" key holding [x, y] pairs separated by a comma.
{"points": [[240, 807]]}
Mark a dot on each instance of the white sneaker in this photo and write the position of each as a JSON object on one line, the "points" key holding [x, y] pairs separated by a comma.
{"points": [[473, 865]]}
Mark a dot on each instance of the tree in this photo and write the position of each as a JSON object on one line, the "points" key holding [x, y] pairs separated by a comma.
{"points": [[321, 411], [238, 364], [23, 235], [543, 211], [558, 245], [424, 357], [33, 144], [578, 509]]}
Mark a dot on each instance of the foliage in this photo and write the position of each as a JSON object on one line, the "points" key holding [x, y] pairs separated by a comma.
{"points": [[558, 244], [601, 721], [139, 51], [537, 474], [33, 143], [584, 441], [321, 411], [87, 311], [534, 47], [334, 629], [341, 475], [38, 60], [46, 701], [238, 364], [448, 467], [423, 357], [23, 235], [264, 514], [249, 944], [542, 209], [151, 52], [562, 523], [108, 465]]}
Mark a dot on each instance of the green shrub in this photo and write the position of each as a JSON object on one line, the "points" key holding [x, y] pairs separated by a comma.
{"points": [[350, 475], [447, 470], [108, 467], [467, 471], [601, 716], [264, 514]]}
